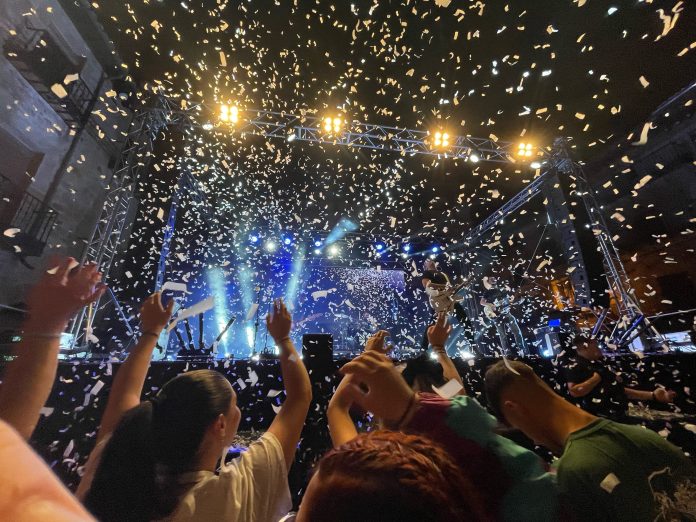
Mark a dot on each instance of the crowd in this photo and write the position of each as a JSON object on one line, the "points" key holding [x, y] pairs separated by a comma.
{"points": [[434, 453]]}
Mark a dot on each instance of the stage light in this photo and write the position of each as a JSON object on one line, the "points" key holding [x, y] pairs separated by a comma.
{"points": [[254, 238], [287, 241], [291, 137], [317, 251], [474, 158], [317, 243], [435, 249], [441, 140], [334, 250], [379, 247], [333, 124], [407, 247], [535, 165], [218, 287], [525, 150], [207, 126], [229, 113], [270, 246]]}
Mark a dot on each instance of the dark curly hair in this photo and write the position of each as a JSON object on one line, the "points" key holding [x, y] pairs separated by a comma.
{"points": [[390, 476]]}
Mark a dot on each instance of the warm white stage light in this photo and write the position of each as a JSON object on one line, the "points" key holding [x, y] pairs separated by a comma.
{"points": [[525, 150], [333, 124], [441, 140], [535, 165], [229, 113], [474, 158]]}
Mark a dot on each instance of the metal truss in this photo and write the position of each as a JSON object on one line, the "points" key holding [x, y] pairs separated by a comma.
{"points": [[132, 165], [293, 127], [136, 154]]}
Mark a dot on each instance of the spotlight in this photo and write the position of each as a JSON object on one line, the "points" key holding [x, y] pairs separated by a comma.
{"points": [[287, 241], [441, 140], [334, 250], [525, 150], [379, 247], [317, 243], [254, 238], [333, 124], [317, 251], [291, 137], [407, 247], [535, 165], [435, 249], [207, 126], [229, 113], [474, 158], [270, 246]]}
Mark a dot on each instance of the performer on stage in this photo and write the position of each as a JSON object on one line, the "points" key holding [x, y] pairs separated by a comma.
{"points": [[443, 298], [496, 306]]}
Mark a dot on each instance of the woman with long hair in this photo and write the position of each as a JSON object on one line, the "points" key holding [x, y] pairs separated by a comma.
{"points": [[161, 462]]}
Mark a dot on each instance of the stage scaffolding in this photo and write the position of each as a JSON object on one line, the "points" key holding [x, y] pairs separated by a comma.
{"points": [[556, 162]]}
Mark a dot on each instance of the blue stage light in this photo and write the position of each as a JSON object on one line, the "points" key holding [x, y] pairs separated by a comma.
{"points": [[379, 247], [254, 238], [317, 251], [317, 243], [287, 241], [435, 248], [407, 247]]}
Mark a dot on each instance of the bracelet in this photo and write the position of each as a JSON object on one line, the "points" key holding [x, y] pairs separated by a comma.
{"points": [[653, 395], [438, 348], [411, 402], [156, 335], [42, 335]]}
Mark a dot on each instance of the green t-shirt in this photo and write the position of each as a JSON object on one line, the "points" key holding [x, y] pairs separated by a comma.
{"points": [[612, 471]]}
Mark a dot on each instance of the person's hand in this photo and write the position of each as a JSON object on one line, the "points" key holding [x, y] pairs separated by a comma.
{"points": [[375, 343], [61, 292], [664, 396], [388, 395], [344, 396], [440, 331], [153, 316], [279, 323]]}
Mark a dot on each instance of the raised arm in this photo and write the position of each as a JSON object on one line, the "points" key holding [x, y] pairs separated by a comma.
{"points": [[437, 337], [287, 425], [28, 380], [338, 413], [129, 380]]}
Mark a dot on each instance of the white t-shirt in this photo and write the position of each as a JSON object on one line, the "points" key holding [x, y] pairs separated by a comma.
{"points": [[252, 488]]}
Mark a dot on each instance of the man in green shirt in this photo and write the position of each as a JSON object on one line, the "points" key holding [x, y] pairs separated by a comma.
{"points": [[607, 470]]}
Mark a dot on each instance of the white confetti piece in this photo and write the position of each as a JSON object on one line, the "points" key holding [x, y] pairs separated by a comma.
{"points": [[449, 390], [11, 232], [59, 90], [609, 483]]}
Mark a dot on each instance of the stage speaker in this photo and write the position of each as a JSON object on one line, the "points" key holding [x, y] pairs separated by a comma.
{"points": [[317, 353]]}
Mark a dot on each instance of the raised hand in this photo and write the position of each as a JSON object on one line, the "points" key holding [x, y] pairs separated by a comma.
{"points": [[440, 331], [279, 322], [664, 396], [375, 343], [153, 316], [61, 292], [388, 395]]}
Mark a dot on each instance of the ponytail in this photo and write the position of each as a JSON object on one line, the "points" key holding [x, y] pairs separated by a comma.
{"points": [[154, 443]]}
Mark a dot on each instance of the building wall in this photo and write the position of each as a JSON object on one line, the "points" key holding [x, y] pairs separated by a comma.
{"points": [[27, 119]]}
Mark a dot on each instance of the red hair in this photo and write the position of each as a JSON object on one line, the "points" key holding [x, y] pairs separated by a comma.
{"points": [[390, 476]]}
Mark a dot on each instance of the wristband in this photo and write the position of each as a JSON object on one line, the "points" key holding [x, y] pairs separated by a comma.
{"points": [[653, 395], [438, 349], [411, 403]]}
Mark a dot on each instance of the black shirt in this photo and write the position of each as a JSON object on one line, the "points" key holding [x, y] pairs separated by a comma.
{"points": [[608, 398]]}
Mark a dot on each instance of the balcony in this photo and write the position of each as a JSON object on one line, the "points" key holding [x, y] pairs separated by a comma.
{"points": [[20, 210], [42, 62]]}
